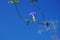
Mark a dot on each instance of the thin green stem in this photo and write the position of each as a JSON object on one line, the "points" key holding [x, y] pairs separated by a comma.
{"points": [[19, 12]]}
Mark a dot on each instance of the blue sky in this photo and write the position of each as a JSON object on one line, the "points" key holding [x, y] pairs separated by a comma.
{"points": [[14, 28]]}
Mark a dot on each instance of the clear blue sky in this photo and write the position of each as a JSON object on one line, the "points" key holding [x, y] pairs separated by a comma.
{"points": [[14, 28]]}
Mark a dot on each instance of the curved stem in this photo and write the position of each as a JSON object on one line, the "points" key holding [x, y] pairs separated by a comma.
{"points": [[19, 12]]}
